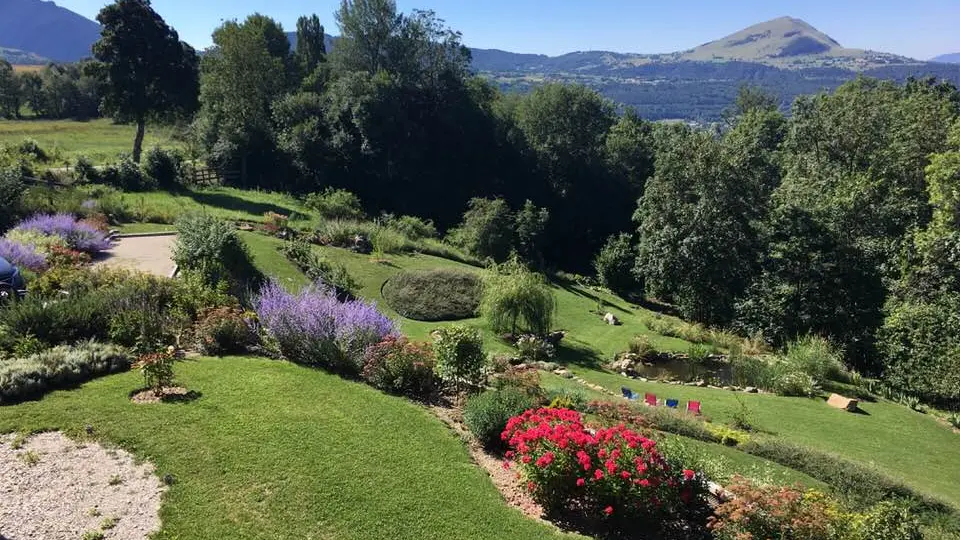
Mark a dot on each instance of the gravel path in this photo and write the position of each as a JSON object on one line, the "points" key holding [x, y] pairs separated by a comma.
{"points": [[151, 254], [53, 488]]}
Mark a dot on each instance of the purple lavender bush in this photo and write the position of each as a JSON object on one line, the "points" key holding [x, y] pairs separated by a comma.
{"points": [[316, 329], [21, 255], [79, 236]]}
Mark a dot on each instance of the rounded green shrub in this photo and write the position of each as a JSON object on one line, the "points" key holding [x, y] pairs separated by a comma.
{"points": [[213, 248], [460, 357], [163, 167], [441, 294], [486, 415], [335, 204]]}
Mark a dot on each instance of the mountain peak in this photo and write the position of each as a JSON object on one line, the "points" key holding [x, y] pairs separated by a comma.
{"points": [[783, 37], [46, 29]]}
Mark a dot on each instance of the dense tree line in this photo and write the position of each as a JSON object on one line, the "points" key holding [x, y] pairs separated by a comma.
{"points": [[57, 91], [839, 220]]}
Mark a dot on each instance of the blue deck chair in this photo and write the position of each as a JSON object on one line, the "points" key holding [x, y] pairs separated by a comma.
{"points": [[673, 403], [627, 393]]}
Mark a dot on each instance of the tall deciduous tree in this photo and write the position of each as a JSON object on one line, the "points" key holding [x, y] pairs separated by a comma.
{"points": [[813, 281], [243, 76], [149, 72], [311, 47], [10, 91], [565, 128]]}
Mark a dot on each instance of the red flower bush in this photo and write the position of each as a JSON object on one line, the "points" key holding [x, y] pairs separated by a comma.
{"points": [[601, 474]]}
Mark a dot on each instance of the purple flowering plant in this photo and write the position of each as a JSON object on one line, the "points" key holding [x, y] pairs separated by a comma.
{"points": [[312, 327], [24, 256], [79, 236]]}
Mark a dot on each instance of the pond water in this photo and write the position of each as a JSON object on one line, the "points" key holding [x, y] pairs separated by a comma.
{"points": [[678, 369]]}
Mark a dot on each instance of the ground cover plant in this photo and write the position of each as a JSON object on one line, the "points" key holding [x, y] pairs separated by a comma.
{"points": [[434, 295], [60, 367]]}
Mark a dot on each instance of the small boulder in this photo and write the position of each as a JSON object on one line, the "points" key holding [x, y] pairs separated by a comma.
{"points": [[839, 402], [751, 390], [611, 319]]}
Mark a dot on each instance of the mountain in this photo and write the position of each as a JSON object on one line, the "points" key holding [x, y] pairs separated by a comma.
{"points": [[328, 40], [785, 57], [953, 58], [785, 42], [23, 58], [46, 29]]}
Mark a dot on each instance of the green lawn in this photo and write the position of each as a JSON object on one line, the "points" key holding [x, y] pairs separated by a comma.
{"points": [[222, 202], [903, 443], [274, 450], [99, 140]]}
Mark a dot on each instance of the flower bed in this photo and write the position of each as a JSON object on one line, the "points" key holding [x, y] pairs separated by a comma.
{"points": [[45, 240], [78, 235], [612, 476], [314, 328]]}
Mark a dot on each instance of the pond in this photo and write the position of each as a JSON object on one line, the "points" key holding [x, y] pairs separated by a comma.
{"points": [[682, 369]]}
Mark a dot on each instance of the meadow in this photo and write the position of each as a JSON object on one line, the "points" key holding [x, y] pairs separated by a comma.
{"points": [[99, 140]]}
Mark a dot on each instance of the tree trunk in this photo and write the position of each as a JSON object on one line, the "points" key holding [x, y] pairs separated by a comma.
{"points": [[138, 141]]}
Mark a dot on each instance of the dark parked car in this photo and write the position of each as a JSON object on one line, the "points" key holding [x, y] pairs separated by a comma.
{"points": [[11, 282]]}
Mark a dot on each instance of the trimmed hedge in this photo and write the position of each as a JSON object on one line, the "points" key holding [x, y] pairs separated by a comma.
{"points": [[442, 294], [60, 367]]}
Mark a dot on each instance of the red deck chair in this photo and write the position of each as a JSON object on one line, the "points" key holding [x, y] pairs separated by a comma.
{"points": [[693, 407], [650, 399]]}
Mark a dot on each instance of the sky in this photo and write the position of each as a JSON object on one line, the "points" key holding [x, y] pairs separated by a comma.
{"points": [[914, 28]]}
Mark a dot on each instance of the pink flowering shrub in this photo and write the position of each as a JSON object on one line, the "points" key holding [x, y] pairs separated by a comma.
{"points": [[610, 475]]}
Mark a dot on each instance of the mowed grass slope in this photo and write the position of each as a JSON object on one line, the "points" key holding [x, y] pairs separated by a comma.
{"points": [[903, 443], [100, 140], [273, 450]]}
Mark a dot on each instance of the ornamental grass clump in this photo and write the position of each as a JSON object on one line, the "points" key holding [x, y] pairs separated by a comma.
{"points": [[312, 327], [604, 475], [77, 235]]}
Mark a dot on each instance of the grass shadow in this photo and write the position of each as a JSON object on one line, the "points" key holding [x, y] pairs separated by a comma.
{"points": [[572, 288], [578, 355], [230, 202]]}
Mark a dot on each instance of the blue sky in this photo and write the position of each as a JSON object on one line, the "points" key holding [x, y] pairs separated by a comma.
{"points": [[917, 28]]}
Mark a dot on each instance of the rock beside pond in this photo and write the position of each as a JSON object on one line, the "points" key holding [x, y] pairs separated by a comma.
{"points": [[751, 390], [563, 373]]}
